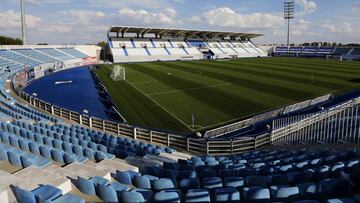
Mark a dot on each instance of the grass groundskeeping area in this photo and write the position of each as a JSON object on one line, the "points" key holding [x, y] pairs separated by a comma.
{"points": [[165, 95]]}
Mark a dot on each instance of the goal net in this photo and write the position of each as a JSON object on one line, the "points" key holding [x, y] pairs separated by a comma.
{"points": [[334, 58], [118, 73]]}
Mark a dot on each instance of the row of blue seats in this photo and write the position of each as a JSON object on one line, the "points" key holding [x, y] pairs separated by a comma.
{"points": [[21, 158], [44, 194], [210, 190], [10, 113], [20, 111], [57, 155], [37, 113], [70, 146]]}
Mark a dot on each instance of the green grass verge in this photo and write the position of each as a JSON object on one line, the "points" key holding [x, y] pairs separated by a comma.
{"points": [[164, 95]]}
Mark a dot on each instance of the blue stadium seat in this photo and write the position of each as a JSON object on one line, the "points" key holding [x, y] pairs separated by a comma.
{"points": [[284, 193], [256, 195], [163, 184], [167, 196], [85, 186], [141, 182], [236, 182], [106, 193], [197, 196], [131, 197], [191, 183], [211, 183], [226, 195]]}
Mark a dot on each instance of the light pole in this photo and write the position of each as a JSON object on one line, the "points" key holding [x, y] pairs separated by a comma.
{"points": [[289, 9], [23, 23]]}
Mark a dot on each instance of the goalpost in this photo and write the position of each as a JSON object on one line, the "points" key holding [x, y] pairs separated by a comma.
{"points": [[118, 73], [334, 58]]}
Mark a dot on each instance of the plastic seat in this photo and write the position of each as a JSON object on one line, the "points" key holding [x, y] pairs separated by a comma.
{"points": [[47, 192], [333, 188], [256, 181], [68, 158], [24, 145], [57, 155], [131, 197], [45, 151], [97, 180], [284, 193], [191, 183], [186, 174], [236, 182], [278, 180], [34, 148], [212, 182], [106, 193], [3, 154], [197, 196], [340, 200], [68, 198], [163, 184], [85, 186], [14, 159], [256, 195], [226, 195], [167, 196], [123, 177], [89, 153], [146, 193], [141, 182], [307, 190]]}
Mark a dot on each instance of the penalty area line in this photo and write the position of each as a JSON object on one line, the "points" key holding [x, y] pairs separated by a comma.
{"points": [[161, 106]]}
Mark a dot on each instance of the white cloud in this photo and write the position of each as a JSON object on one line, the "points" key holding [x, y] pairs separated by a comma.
{"points": [[227, 17], [11, 19], [143, 4], [307, 5], [345, 27], [166, 17], [84, 16]]}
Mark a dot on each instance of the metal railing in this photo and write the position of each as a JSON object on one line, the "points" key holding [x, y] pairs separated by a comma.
{"points": [[338, 124], [198, 146]]}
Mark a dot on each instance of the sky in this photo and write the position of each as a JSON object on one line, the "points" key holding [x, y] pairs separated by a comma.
{"points": [[87, 21]]}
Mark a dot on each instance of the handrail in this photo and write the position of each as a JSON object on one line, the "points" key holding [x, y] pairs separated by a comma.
{"points": [[194, 145]]}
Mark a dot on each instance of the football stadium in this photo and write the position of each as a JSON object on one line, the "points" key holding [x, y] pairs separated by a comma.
{"points": [[164, 114]]}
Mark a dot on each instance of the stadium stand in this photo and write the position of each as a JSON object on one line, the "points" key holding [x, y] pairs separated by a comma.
{"points": [[172, 44], [341, 50], [44, 158], [56, 53]]}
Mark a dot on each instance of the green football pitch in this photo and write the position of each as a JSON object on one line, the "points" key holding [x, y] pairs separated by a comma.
{"points": [[165, 95]]}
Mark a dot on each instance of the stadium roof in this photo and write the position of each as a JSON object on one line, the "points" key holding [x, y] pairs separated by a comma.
{"points": [[181, 32]]}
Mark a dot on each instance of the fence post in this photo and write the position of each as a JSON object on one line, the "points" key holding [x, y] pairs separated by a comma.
{"points": [[90, 122], [135, 133], [168, 140], [70, 115], [118, 128], [103, 125], [207, 147], [80, 119], [151, 134], [232, 146], [52, 109], [255, 142], [61, 114], [187, 144]]}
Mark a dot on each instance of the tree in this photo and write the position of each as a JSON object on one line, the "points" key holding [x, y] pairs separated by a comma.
{"points": [[10, 41], [102, 44]]}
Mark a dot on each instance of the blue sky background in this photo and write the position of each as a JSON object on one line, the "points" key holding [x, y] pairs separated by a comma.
{"points": [[86, 21]]}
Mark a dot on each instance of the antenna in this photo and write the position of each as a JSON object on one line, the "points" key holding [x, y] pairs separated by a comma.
{"points": [[289, 9], [23, 23]]}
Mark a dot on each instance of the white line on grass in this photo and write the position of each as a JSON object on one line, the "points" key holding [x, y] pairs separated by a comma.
{"points": [[161, 106], [144, 82], [188, 89]]}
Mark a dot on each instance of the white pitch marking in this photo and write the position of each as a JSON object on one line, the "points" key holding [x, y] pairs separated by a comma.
{"points": [[188, 89]]}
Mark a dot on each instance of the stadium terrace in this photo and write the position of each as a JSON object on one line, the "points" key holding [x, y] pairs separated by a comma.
{"points": [[186, 116]]}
